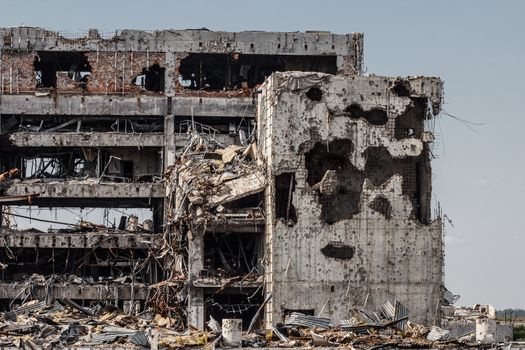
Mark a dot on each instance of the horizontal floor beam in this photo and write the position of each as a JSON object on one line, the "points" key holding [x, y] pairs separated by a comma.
{"points": [[86, 139], [109, 291], [86, 189], [104, 239], [79, 105], [128, 105], [213, 106]]}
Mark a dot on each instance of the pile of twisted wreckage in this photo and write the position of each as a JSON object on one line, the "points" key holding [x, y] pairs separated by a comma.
{"points": [[65, 324]]}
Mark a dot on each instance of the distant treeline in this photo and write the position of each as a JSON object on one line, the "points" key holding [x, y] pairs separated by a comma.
{"points": [[511, 313]]}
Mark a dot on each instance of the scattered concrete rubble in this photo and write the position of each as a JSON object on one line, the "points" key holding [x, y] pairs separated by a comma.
{"points": [[41, 325], [478, 322]]}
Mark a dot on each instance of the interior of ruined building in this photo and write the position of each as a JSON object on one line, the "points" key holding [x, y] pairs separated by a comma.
{"points": [[233, 71], [185, 129]]}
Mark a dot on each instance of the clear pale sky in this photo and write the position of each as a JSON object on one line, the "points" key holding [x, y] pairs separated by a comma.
{"points": [[476, 46]]}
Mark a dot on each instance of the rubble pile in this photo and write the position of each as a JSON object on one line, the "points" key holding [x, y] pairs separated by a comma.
{"points": [[37, 325], [206, 179], [208, 176]]}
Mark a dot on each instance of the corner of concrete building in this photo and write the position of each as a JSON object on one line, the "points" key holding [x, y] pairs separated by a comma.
{"points": [[349, 219]]}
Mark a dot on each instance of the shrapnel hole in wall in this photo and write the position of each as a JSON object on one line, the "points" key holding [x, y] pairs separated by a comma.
{"points": [[339, 184], [382, 205], [314, 94], [338, 250], [401, 88], [375, 116]]}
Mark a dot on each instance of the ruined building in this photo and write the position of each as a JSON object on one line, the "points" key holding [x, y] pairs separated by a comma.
{"points": [[278, 177]]}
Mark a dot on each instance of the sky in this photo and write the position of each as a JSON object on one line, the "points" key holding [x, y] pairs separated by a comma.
{"points": [[477, 47]]}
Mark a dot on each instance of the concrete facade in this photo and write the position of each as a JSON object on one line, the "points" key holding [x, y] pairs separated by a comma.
{"points": [[359, 230]]}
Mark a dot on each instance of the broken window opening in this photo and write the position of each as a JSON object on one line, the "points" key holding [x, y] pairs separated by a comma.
{"points": [[284, 189], [214, 127], [374, 116], [75, 265], [253, 201], [61, 165], [231, 254], [424, 187], [411, 123], [243, 306], [48, 63], [152, 78], [217, 72], [138, 124], [117, 165], [86, 219]]}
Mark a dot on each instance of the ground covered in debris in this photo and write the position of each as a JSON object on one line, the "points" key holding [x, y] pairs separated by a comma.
{"points": [[37, 325]]}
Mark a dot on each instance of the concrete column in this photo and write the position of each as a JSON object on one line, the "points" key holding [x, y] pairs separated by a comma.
{"points": [[169, 141], [352, 63], [269, 201], [196, 308], [196, 295], [171, 76], [195, 254]]}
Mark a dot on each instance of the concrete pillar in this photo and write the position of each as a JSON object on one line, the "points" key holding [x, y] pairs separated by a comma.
{"points": [[196, 295], [169, 141], [195, 254], [171, 76], [196, 308]]}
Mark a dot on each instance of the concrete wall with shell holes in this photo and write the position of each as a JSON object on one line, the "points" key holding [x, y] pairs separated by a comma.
{"points": [[349, 215]]}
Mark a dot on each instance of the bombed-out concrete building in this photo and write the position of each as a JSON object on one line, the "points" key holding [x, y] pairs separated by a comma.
{"points": [[278, 177]]}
